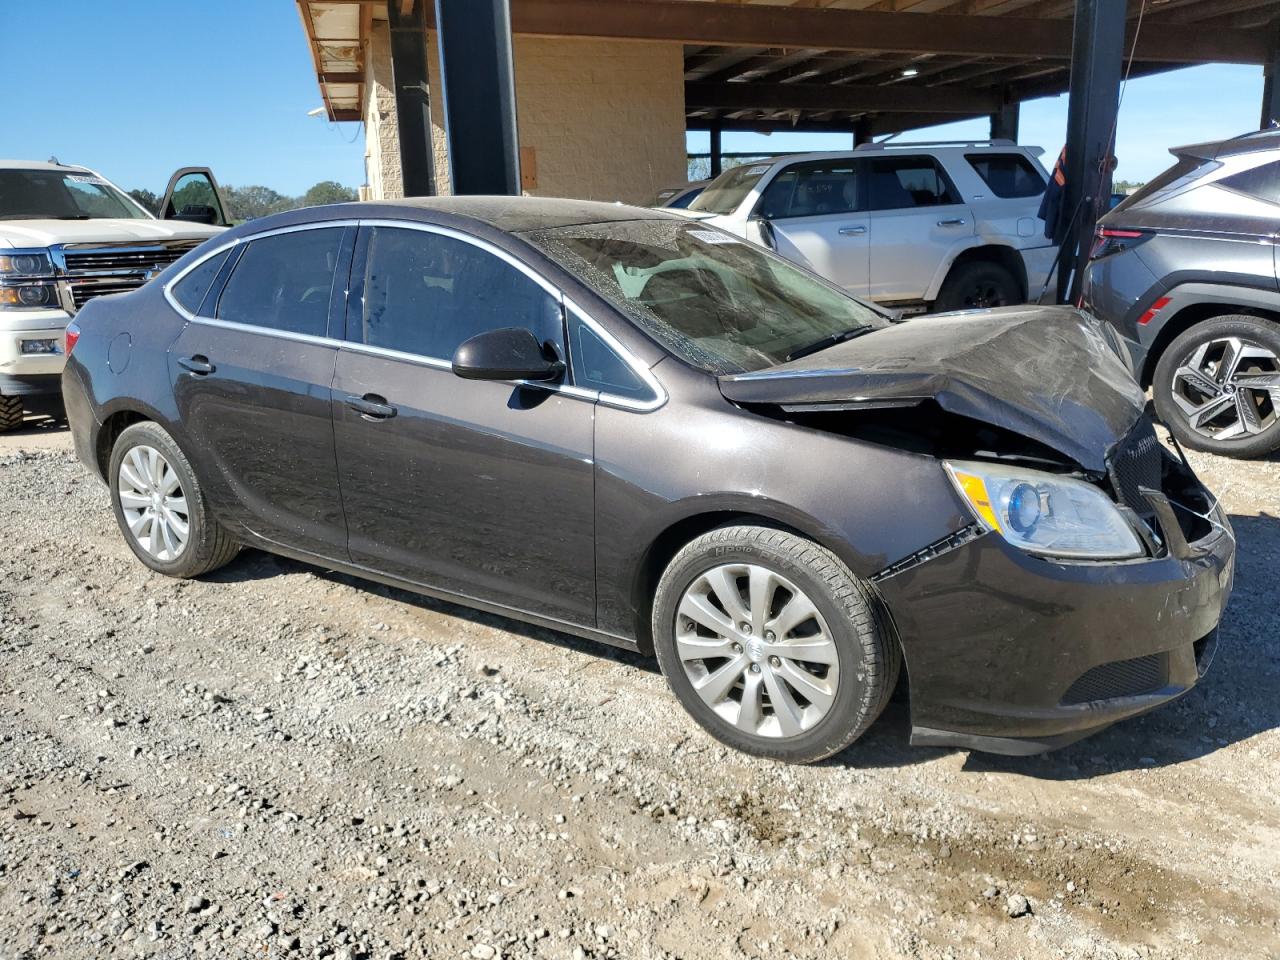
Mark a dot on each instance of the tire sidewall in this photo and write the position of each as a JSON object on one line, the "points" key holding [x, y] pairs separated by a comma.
{"points": [[832, 732], [1254, 329]]}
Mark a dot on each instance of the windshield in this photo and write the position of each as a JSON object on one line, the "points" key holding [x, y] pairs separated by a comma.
{"points": [[712, 299], [62, 195], [724, 194]]}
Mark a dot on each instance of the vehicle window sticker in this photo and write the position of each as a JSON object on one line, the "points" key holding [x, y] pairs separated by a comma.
{"points": [[708, 236]]}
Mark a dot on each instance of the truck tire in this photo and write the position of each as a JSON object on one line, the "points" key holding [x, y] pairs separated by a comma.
{"points": [[10, 413], [976, 285]]}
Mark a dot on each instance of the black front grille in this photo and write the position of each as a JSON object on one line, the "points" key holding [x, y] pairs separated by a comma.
{"points": [[82, 291], [125, 258], [1123, 678], [1136, 462]]}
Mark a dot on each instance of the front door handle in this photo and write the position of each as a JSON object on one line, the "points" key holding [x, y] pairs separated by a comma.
{"points": [[852, 231], [952, 222], [372, 407], [199, 365]]}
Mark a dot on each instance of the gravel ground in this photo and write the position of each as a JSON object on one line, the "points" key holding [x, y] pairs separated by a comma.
{"points": [[279, 761]]}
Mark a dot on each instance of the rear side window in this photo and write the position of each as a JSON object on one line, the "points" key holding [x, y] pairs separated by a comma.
{"points": [[283, 282], [812, 189], [1261, 183], [425, 293], [1008, 175], [1177, 177], [190, 290], [897, 183]]}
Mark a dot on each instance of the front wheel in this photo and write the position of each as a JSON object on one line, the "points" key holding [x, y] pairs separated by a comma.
{"points": [[977, 285], [160, 507], [1217, 386], [772, 644]]}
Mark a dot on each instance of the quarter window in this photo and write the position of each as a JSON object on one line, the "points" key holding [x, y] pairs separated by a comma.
{"points": [[1008, 175], [812, 189], [190, 290], [1261, 183], [284, 282], [904, 182], [425, 293], [597, 367]]}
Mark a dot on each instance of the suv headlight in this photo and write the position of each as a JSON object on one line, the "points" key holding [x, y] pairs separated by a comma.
{"points": [[21, 264], [1045, 514]]}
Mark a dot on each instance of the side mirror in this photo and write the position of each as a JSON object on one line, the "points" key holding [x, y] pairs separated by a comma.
{"points": [[197, 213], [509, 353]]}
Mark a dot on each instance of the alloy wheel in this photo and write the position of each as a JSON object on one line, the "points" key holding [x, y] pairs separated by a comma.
{"points": [[985, 295], [153, 503], [1228, 388], [757, 650]]}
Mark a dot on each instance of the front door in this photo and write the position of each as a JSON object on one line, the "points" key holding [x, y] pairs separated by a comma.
{"points": [[479, 488], [251, 377], [813, 214], [917, 220]]}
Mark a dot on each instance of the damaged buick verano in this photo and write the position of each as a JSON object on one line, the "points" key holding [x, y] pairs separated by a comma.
{"points": [[625, 425]]}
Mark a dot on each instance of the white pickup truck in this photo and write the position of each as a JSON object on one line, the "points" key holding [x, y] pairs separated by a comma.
{"points": [[67, 235]]}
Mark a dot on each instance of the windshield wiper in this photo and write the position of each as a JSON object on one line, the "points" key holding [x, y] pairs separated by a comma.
{"points": [[828, 341]]}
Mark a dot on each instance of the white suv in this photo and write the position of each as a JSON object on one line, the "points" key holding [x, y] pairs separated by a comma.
{"points": [[68, 235], [910, 226]]}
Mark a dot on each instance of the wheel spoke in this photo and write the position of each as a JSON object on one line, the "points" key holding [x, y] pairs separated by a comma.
{"points": [[763, 583], [144, 479], [784, 704], [1232, 350], [132, 500], [176, 505], [750, 712], [812, 688], [692, 647], [166, 538], [698, 608], [137, 525], [798, 609], [725, 586], [171, 483], [715, 685], [179, 528], [816, 649]]}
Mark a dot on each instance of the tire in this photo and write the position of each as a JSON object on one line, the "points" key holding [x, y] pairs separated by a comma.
{"points": [[977, 285], [1182, 398], [207, 545], [866, 657], [10, 413]]}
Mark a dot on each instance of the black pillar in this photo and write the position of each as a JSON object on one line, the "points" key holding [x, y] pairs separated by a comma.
{"points": [[1097, 52], [1270, 94], [477, 84], [413, 107], [1004, 123], [717, 155], [862, 131]]}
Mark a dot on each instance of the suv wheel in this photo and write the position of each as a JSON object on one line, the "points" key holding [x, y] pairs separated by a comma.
{"points": [[10, 413], [160, 507], [772, 644], [976, 285], [1217, 386]]}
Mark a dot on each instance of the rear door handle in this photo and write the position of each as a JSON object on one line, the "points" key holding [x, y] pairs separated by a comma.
{"points": [[199, 365], [952, 222], [372, 407], [852, 231]]}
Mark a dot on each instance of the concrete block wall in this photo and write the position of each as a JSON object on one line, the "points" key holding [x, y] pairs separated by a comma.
{"points": [[382, 141]]}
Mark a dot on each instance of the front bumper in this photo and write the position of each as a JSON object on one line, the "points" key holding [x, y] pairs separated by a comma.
{"points": [[1016, 654], [31, 374]]}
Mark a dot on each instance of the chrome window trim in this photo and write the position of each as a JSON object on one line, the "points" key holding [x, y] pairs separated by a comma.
{"points": [[660, 395]]}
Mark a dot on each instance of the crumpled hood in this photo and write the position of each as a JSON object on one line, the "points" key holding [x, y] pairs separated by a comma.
{"points": [[44, 233], [1049, 373]]}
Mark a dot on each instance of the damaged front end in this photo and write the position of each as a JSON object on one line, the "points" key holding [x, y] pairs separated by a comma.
{"points": [[1089, 580]]}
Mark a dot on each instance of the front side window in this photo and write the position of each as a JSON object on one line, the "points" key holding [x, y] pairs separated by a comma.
{"points": [[712, 299], [191, 289], [426, 293], [1008, 175], [63, 195], [897, 183], [284, 282], [812, 189]]}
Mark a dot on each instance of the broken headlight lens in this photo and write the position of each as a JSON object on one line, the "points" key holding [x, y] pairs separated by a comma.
{"points": [[1045, 514]]}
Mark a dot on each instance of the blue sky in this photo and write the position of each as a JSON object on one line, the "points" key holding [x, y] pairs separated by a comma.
{"points": [[137, 88]]}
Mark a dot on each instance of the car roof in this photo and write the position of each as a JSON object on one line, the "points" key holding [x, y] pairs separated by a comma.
{"points": [[896, 149], [41, 165]]}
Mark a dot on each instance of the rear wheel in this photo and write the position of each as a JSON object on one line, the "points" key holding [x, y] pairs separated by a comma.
{"points": [[10, 413], [160, 507], [772, 644], [1217, 386], [977, 285]]}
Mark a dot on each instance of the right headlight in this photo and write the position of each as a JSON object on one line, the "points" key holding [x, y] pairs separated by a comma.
{"points": [[1045, 514], [25, 264]]}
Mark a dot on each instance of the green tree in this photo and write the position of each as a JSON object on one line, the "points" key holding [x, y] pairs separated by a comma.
{"points": [[148, 199], [247, 203], [327, 191]]}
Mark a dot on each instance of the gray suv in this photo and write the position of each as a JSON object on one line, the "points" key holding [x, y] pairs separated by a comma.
{"points": [[1185, 269]]}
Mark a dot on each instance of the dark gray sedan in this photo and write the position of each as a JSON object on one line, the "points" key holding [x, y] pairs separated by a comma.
{"points": [[625, 425]]}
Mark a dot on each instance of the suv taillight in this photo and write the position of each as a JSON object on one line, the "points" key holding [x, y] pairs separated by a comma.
{"points": [[1109, 240], [73, 336]]}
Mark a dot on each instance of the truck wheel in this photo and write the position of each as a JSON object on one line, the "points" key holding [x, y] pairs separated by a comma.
{"points": [[976, 285], [10, 413], [160, 507], [1217, 386], [772, 644]]}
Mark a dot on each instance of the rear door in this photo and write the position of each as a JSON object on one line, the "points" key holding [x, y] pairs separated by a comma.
{"points": [[814, 214], [483, 489], [917, 218], [251, 376]]}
